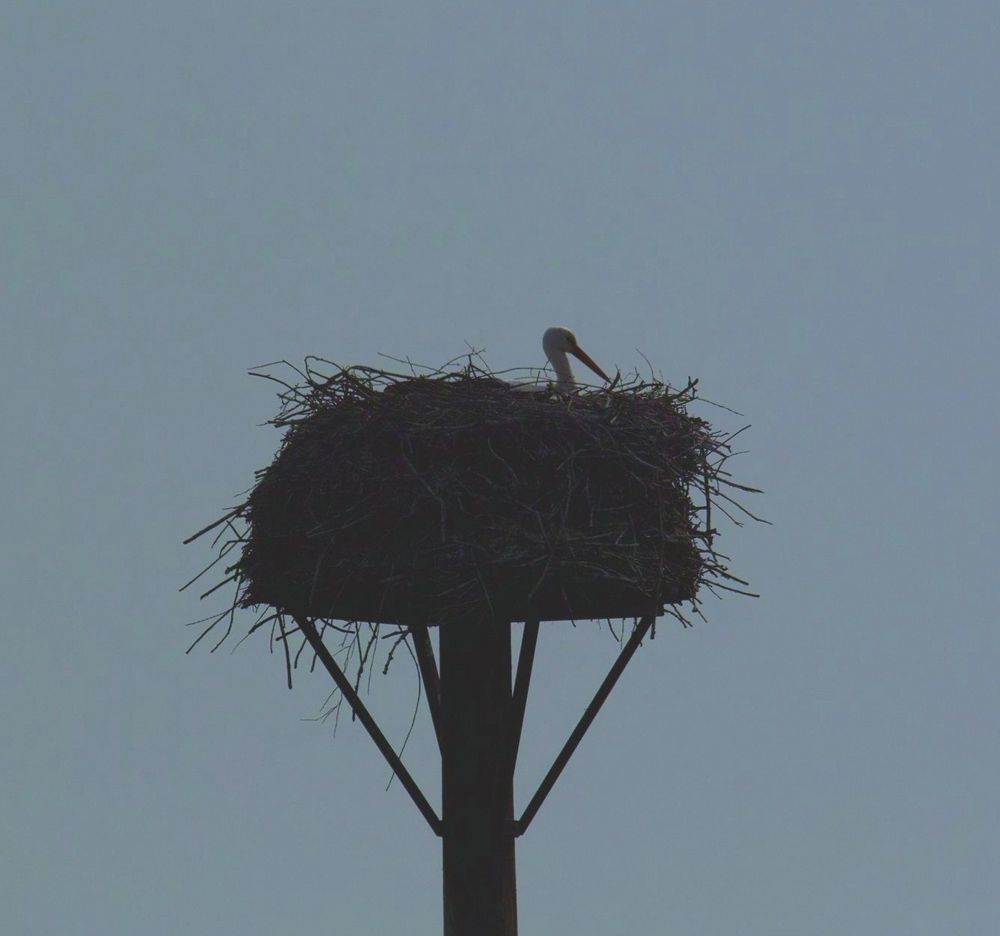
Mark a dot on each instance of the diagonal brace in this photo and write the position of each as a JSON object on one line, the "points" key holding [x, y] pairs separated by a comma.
{"points": [[424, 651], [588, 716], [308, 628], [525, 661]]}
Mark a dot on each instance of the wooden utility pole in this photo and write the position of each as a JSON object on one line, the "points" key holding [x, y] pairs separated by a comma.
{"points": [[477, 781]]}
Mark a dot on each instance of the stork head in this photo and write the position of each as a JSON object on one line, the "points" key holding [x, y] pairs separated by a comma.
{"points": [[557, 342]]}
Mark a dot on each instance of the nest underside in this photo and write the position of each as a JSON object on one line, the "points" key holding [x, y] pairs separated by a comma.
{"points": [[433, 499]]}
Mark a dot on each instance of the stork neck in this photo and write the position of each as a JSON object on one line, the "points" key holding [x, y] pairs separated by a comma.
{"points": [[564, 373]]}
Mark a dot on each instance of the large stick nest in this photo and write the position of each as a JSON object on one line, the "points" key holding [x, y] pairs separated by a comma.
{"points": [[429, 499]]}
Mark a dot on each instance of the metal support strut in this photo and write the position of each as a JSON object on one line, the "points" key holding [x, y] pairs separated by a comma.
{"points": [[364, 716], [581, 728]]}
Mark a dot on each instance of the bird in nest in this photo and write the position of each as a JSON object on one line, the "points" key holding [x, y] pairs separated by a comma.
{"points": [[558, 343]]}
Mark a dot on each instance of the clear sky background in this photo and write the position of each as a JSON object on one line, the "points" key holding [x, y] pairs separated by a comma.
{"points": [[795, 202]]}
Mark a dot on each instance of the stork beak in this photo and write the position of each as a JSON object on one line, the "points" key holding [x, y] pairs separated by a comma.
{"points": [[582, 355]]}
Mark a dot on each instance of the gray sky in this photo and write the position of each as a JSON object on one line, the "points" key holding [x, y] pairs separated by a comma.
{"points": [[794, 202]]}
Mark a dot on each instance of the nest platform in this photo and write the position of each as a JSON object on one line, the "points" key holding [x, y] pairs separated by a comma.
{"points": [[429, 499]]}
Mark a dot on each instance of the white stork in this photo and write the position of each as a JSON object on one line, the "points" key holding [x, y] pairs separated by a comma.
{"points": [[557, 342]]}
